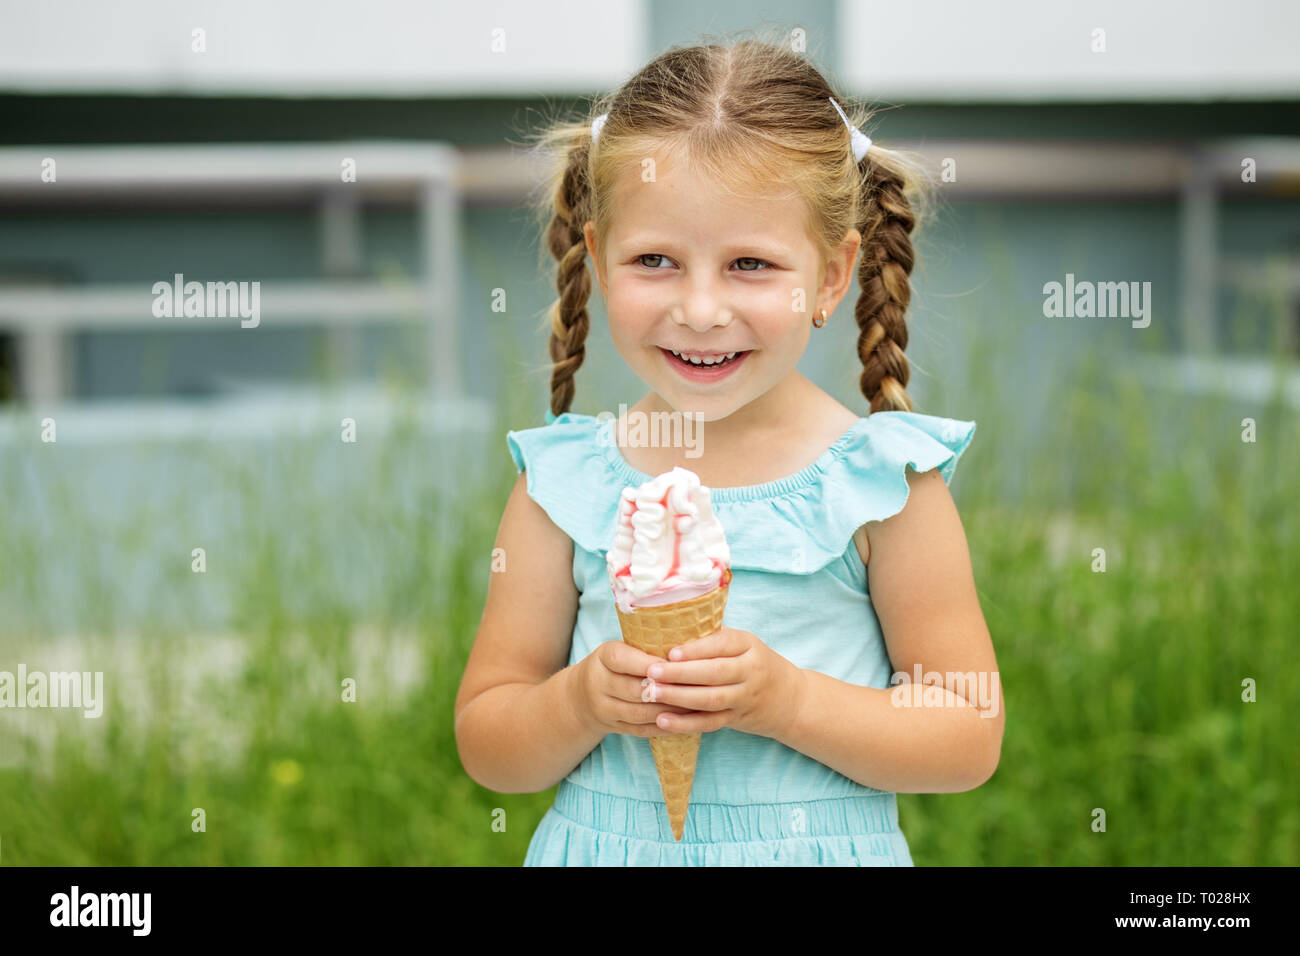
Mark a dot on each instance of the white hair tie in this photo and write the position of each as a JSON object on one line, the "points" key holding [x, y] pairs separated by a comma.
{"points": [[859, 141]]}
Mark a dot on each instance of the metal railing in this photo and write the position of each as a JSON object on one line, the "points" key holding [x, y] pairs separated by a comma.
{"points": [[425, 174]]}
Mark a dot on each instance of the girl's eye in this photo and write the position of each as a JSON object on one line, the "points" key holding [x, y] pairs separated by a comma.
{"points": [[762, 265]]}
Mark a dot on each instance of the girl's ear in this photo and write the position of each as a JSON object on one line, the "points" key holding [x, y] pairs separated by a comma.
{"points": [[848, 252], [840, 273], [853, 241], [589, 235]]}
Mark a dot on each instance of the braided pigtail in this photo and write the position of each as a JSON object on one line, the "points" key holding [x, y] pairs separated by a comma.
{"points": [[564, 239], [887, 260]]}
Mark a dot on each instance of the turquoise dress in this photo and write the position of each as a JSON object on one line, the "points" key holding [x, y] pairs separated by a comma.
{"points": [[800, 585]]}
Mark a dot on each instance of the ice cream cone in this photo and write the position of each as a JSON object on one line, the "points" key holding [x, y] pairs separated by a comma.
{"points": [[657, 630]]}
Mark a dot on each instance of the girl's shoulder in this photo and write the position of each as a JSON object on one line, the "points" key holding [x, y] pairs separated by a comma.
{"points": [[566, 474], [806, 521], [797, 524]]}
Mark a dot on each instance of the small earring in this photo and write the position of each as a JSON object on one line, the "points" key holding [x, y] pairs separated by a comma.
{"points": [[822, 322]]}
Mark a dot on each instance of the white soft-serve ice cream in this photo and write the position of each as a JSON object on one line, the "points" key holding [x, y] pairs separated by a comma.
{"points": [[668, 545]]}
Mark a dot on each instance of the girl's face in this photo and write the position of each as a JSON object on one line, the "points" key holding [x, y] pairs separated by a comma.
{"points": [[689, 267]]}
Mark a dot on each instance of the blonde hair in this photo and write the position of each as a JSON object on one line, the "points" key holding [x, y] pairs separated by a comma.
{"points": [[751, 112]]}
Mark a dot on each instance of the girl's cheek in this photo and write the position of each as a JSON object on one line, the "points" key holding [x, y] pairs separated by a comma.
{"points": [[772, 304], [629, 306]]}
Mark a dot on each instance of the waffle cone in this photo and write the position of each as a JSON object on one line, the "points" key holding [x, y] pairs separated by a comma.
{"points": [[657, 630]]}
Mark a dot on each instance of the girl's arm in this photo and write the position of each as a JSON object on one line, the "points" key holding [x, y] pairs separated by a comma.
{"points": [[923, 591], [517, 730]]}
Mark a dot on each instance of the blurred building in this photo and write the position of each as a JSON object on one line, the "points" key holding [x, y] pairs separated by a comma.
{"points": [[1107, 142]]}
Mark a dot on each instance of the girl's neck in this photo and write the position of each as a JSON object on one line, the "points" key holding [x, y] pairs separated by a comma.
{"points": [[793, 421], [781, 408]]}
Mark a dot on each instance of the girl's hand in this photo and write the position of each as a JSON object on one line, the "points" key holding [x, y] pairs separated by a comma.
{"points": [[608, 692], [729, 679]]}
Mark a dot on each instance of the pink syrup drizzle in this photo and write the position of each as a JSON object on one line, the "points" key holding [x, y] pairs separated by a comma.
{"points": [[724, 573]]}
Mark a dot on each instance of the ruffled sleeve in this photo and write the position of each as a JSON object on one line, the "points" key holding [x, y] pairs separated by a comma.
{"points": [[810, 520], [796, 525], [566, 476], [922, 441]]}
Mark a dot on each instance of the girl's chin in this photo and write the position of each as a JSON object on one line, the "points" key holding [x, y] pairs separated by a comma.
{"points": [[701, 410]]}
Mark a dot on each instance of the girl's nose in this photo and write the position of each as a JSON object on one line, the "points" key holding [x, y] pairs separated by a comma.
{"points": [[701, 313]]}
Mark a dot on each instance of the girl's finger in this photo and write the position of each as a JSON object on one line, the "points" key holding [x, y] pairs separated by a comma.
{"points": [[714, 670], [623, 658], [701, 723], [639, 730], [632, 689], [721, 643], [650, 729], [710, 698], [644, 713]]}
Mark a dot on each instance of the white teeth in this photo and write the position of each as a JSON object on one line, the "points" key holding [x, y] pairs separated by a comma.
{"points": [[705, 361]]}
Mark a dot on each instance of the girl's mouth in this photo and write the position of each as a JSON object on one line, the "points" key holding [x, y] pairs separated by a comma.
{"points": [[703, 373]]}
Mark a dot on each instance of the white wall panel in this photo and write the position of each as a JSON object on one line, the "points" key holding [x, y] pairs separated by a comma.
{"points": [[320, 47], [1042, 49]]}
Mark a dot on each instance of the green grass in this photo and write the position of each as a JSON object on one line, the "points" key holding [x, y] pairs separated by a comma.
{"points": [[1123, 688]]}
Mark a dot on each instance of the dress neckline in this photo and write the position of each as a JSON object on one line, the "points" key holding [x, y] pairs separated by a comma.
{"points": [[769, 489]]}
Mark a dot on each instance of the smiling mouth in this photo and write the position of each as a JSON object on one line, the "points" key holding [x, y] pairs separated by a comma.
{"points": [[706, 359], [705, 367]]}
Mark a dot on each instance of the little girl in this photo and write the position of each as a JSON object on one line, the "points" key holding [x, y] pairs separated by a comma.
{"points": [[723, 197]]}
